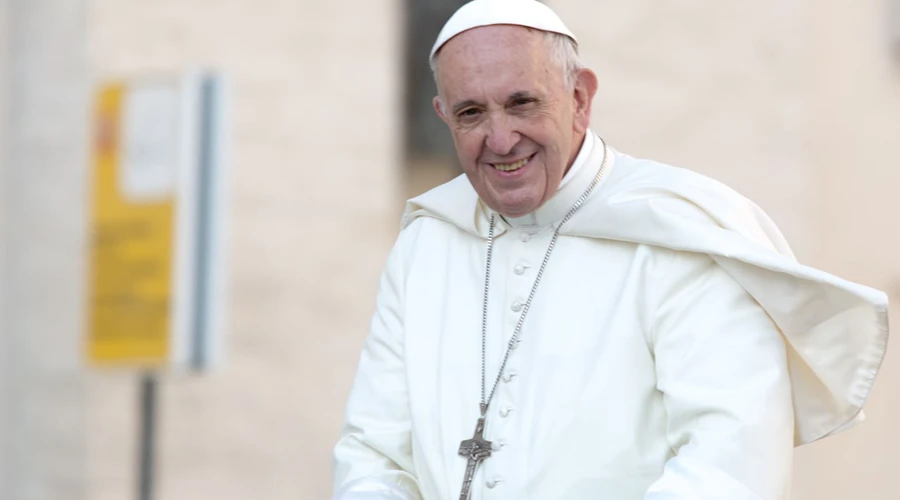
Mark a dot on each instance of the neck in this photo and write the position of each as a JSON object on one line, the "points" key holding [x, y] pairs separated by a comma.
{"points": [[578, 143], [582, 170]]}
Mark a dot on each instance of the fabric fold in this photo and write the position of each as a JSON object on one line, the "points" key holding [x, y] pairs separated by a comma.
{"points": [[836, 330]]}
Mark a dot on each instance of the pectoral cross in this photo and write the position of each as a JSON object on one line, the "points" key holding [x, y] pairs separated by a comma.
{"points": [[475, 450]]}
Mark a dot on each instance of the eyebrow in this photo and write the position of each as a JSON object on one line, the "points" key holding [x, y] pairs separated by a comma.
{"points": [[521, 94]]}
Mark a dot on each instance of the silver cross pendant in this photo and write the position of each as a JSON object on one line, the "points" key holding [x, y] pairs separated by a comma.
{"points": [[475, 450]]}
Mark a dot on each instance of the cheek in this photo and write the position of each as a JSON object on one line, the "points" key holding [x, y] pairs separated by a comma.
{"points": [[468, 145]]}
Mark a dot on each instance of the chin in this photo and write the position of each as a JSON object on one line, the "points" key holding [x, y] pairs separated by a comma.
{"points": [[517, 210], [512, 203]]}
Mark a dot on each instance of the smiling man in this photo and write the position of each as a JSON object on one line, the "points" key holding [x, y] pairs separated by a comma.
{"points": [[518, 120], [568, 322]]}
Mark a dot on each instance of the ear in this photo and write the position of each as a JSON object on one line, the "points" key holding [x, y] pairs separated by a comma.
{"points": [[586, 84], [439, 108]]}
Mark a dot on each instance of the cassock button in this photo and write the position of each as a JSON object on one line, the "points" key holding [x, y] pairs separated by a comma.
{"points": [[494, 482], [516, 306], [509, 375], [525, 237], [520, 270], [498, 444], [505, 411]]}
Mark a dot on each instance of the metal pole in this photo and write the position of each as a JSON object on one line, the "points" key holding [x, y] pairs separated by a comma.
{"points": [[147, 448]]}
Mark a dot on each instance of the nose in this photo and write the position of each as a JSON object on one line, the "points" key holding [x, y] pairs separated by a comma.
{"points": [[501, 136]]}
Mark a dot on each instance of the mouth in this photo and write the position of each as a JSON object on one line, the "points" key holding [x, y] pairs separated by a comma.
{"points": [[511, 167]]}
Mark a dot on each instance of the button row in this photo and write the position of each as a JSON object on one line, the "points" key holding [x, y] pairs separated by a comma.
{"points": [[517, 306]]}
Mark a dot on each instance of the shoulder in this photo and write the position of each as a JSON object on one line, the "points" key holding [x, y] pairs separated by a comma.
{"points": [[667, 269], [424, 233], [454, 202], [679, 284], [645, 201], [660, 181]]}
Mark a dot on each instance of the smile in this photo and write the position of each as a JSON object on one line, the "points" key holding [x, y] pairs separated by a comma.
{"points": [[511, 167]]}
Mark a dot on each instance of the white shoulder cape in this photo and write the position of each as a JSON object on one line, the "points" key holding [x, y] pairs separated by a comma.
{"points": [[836, 331]]}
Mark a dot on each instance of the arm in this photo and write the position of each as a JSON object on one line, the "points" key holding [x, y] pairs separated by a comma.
{"points": [[722, 369], [375, 446]]}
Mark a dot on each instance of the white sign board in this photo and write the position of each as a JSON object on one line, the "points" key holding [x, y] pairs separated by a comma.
{"points": [[156, 279]]}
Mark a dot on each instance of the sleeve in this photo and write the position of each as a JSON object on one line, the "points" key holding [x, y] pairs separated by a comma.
{"points": [[722, 369], [373, 457]]}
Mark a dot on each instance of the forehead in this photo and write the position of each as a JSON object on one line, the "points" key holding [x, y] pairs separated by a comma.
{"points": [[492, 58]]}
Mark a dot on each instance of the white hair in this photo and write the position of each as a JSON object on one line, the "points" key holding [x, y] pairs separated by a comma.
{"points": [[563, 52]]}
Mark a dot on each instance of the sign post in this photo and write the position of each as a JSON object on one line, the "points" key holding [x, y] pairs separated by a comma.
{"points": [[156, 256]]}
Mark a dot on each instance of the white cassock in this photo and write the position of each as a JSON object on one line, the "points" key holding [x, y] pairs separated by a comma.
{"points": [[674, 350]]}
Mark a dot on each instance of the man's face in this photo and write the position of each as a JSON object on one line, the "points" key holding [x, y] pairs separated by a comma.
{"points": [[516, 126]]}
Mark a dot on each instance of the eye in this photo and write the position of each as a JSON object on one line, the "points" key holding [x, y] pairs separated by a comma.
{"points": [[468, 115], [522, 101]]}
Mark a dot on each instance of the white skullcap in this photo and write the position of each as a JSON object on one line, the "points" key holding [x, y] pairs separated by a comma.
{"points": [[530, 13]]}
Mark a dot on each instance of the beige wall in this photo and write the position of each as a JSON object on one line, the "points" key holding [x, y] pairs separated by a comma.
{"points": [[855, 153], [718, 87], [797, 105], [43, 239], [313, 207]]}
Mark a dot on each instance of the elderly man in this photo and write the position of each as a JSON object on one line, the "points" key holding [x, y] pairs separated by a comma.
{"points": [[567, 322]]}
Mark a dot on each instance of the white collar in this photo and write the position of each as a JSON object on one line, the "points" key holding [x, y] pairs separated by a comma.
{"points": [[570, 188]]}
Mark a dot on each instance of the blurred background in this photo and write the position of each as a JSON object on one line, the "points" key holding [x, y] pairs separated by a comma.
{"points": [[795, 103]]}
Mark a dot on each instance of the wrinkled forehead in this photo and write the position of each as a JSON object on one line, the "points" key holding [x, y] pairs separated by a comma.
{"points": [[496, 41], [487, 34], [494, 58]]}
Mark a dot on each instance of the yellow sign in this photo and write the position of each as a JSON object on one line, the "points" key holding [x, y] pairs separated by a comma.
{"points": [[133, 220]]}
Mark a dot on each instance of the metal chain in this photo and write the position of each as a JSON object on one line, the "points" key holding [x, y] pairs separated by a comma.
{"points": [[484, 315], [514, 340]]}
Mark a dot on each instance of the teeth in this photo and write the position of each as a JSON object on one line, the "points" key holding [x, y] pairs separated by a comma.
{"points": [[509, 167]]}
